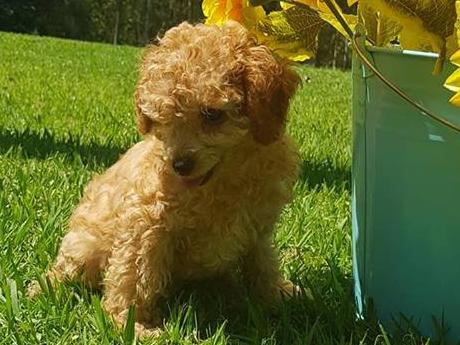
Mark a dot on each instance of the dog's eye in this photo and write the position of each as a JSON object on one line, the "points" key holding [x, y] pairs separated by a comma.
{"points": [[212, 117]]}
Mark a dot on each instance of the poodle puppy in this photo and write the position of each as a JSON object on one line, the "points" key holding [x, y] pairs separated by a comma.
{"points": [[200, 195]]}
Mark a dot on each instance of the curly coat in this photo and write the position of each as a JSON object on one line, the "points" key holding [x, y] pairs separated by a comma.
{"points": [[214, 95]]}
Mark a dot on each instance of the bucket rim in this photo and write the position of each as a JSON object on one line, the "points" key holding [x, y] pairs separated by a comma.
{"points": [[365, 55], [398, 51]]}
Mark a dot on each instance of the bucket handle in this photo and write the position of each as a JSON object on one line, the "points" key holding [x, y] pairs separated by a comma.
{"points": [[357, 46]]}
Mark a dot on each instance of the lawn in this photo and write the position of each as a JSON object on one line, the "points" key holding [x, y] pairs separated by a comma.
{"points": [[66, 113]]}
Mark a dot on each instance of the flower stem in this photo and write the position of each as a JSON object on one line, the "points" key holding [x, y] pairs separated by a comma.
{"points": [[333, 7]]}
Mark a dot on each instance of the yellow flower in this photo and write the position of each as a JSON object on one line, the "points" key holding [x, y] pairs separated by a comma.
{"points": [[291, 33], [453, 82], [219, 11]]}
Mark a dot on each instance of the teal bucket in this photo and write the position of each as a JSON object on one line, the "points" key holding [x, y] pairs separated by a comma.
{"points": [[406, 195]]}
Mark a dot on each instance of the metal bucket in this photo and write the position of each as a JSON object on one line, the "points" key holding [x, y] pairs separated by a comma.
{"points": [[406, 194]]}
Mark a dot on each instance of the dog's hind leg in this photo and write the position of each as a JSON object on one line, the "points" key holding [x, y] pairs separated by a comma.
{"points": [[82, 257]]}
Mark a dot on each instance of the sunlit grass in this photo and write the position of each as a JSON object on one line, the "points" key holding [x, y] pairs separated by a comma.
{"points": [[66, 112]]}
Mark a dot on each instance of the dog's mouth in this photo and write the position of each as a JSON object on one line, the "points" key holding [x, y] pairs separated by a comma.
{"points": [[200, 180]]}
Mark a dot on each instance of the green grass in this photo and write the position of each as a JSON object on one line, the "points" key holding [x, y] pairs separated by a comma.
{"points": [[66, 112]]}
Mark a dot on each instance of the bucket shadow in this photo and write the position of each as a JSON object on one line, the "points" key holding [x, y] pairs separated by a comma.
{"points": [[314, 174]]}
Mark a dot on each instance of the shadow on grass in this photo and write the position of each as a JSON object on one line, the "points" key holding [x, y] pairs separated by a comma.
{"points": [[215, 307], [325, 173], [42, 144], [325, 316], [320, 318], [208, 307]]}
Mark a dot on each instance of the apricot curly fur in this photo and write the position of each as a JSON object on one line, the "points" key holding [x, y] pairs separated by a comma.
{"points": [[141, 228]]}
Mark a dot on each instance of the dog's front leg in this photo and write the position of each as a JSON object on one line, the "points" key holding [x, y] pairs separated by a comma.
{"points": [[138, 273], [261, 273]]}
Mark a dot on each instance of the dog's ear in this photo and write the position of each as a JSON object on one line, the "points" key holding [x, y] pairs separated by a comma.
{"points": [[144, 123], [269, 84]]}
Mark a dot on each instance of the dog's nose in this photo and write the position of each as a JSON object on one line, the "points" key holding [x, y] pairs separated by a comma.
{"points": [[183, 165]]}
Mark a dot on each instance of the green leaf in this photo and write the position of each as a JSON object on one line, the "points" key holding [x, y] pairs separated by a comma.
{"points": [[129, 335], [291, 33], [14, 296], [425, 24], [100, 319], [380, 29]]}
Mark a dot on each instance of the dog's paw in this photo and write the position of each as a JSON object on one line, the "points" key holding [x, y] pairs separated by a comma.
{"points": [[272, 295], [33, 289], [143, 331], [288, 288]]}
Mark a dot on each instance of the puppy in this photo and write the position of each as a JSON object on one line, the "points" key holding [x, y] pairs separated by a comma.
{"points": [[200, 195]]}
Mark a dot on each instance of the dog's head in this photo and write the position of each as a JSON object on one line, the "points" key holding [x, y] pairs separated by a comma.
{"points": [[205, 89]]}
